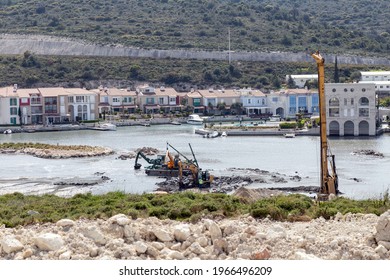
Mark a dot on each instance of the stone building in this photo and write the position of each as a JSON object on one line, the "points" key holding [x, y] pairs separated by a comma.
{"points": [[351, 109]]}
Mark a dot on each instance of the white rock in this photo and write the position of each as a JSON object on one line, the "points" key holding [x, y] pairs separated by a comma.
{"points": [[175, 255], [120, 219], [128, 231], [95, 234], [140, 247], [49, 242], [300, 255], [65, 223], [123, 221], [158, 245], [276, 232], [182, 232], [215, 231], [381, 250], [197, 249], [11, 244], [65, 256], [261, 235], [176, 247], [385, 244], [229, 230], [27, 253], [162, 235], [383, 227], [153, 252], [203, 241]]}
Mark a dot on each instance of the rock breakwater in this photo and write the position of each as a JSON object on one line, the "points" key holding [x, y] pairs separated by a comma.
{"points": [[350, 236]]}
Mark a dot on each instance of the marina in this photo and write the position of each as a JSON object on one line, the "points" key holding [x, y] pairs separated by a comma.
{"points": [[360, 176]]}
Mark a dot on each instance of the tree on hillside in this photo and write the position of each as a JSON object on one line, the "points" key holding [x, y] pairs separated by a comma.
{"points": [[291, 82]]}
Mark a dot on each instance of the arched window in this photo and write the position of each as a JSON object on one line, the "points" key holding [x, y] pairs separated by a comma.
{"points": [[364, 101], [334, 102]]}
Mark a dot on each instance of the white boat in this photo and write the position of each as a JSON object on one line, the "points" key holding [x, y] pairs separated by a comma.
{"points": [[275, 118], [212, 134], [105, 127], [8, 131], [223, 134], [194, 119], [289, 135]]}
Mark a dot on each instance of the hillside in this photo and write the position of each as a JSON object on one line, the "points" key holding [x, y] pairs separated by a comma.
{"points": [[334, 26]]}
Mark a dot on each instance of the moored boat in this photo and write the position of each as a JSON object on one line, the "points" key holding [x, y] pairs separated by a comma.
{"points": [[194, 119], [289, 135], [105, 127]]}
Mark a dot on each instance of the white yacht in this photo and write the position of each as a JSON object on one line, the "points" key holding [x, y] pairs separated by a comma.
{"points": [[194, 119], [105, 127]]}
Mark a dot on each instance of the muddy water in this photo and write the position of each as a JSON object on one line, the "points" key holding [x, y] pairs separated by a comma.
{"points": [[360, 176]]}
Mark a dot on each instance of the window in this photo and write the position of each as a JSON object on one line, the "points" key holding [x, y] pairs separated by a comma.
{"points": [[315, 100], [116, 100], [334, 90], [161, 100], [36, 110], [51, 105], [13, 111], [12, 120], [364, 112], [334, 112], [352, 101], [70, 99], [149, 100], [79, 99], [345, 101], [363, 90], [364, 101], [263, 102], [302, 103], [13, 102], [334, 102], [196, 102], [351, 89], [249, 101], [345, 90], [274, 99]]}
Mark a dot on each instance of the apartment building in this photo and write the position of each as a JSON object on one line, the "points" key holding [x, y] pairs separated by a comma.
{"points": [[9, 106]]}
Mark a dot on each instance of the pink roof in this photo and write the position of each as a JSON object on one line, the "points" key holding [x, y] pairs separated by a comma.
{"points": [[48, 92]]}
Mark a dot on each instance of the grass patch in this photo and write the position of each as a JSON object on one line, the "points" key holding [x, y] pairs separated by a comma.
{"points": [[18, 209]]}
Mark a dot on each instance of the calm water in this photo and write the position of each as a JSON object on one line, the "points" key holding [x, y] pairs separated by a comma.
{"points": [[299, 155]]}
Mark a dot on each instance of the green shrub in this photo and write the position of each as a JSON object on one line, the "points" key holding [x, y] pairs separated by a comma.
{"points": [[288, 125]]}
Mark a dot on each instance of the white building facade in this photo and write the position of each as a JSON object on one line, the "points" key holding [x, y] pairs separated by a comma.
{"points": [[351, 109]]}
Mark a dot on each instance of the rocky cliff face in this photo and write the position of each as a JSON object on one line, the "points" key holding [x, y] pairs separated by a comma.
{"points": [[351, 236], [46, 45]]}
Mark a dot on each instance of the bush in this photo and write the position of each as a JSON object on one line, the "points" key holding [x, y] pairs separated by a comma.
{"points": [[287, 125]]}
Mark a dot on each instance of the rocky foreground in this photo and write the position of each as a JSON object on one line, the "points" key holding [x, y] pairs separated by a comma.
{"points": [[350, 236]]}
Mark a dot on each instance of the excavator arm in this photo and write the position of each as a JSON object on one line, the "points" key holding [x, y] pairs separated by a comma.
{"points": [[154, 162], [329, 179]]}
